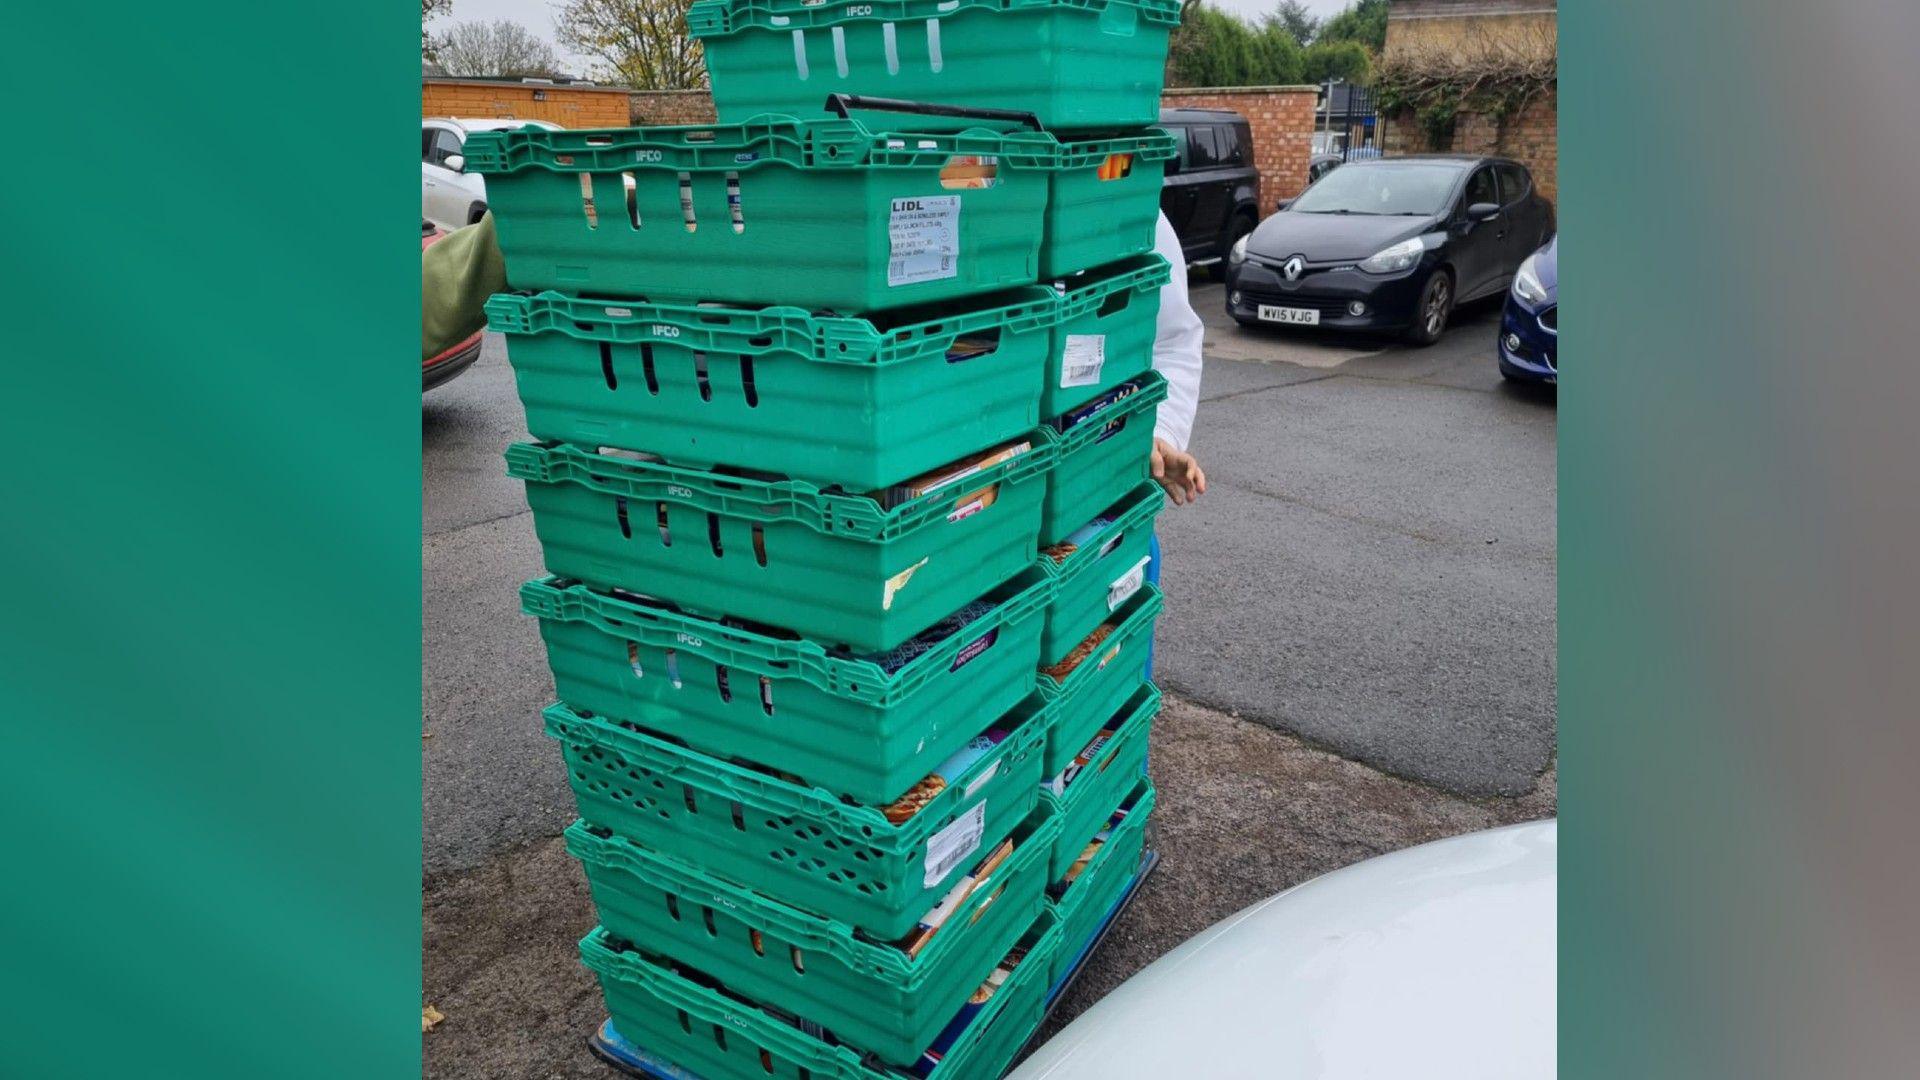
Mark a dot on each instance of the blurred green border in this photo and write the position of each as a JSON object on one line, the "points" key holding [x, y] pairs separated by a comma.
{"points": [[211, 660]]}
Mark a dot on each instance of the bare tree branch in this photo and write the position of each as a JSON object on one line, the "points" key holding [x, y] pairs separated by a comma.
{"points": [[490, 50], [641, 43]]}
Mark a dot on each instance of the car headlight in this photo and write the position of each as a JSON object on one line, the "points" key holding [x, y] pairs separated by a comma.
{"points": [[1398, 257], [1239, 253], [1526, 282]]}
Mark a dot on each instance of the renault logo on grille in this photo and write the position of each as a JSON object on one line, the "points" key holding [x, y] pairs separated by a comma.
{"points": [[1292, 268]]}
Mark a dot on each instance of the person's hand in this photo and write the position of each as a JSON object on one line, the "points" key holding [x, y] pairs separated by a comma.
{"points": [[1178, 472]]}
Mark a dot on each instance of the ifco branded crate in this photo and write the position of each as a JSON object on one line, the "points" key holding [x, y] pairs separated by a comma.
{"points": [[706, 1030], [1106, 567], [870, 994], [1109, 673], [853, 726], [842, 861], [1076, 64], [1105, 333], [1084, 904], [861, 401], [839, 569], [1089, 797], [821, 214], [1105, 201], [1105, 450]]}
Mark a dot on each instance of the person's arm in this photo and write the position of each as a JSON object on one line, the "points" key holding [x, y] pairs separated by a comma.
{"points": [[457, 274], [1176, 355]]}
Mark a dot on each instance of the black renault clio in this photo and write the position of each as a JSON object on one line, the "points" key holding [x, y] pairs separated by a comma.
{"points": [[1390, 244]]}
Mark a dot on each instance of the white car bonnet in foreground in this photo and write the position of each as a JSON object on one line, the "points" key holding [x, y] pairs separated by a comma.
{"points": [[1435, 963]]}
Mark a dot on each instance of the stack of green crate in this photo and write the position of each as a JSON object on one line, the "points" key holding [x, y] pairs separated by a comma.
{"points": [[819, 391]]}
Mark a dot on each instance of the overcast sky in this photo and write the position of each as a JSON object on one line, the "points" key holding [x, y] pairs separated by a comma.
{"points": [[537, 16]]}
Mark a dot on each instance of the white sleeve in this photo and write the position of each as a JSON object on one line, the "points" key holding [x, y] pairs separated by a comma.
{"points": [[1176, 345]]}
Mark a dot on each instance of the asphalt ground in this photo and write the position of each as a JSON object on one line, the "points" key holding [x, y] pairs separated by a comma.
{"points": [[1357, 647]]}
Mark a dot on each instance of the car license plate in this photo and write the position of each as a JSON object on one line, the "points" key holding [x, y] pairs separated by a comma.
{"points": [[1294, 315]]}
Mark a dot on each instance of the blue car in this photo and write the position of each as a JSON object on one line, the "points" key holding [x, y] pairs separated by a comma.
{"points": [[1530, 326]]}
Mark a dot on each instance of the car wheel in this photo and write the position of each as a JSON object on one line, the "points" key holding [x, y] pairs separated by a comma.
{"points": [[1242, 225], [1430, 315], [476, 212]]}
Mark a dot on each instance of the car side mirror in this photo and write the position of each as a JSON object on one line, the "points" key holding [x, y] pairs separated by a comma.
{"points": [[1483, 211], [1281, 204], [456, 162]]}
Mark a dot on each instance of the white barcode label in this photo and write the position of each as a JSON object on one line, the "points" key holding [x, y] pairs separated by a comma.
{"points": [[1127, 584], [954, 843], [923, 237], [1085, 355]]}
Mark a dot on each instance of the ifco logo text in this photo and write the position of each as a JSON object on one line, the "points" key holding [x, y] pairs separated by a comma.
{"points": [[859, 9], [663, 330], [647, 155], [689, 639], [679, 492]]}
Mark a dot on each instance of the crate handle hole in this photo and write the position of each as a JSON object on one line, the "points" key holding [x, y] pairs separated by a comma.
{"points": [[766, 1061], [673, 907], [974, 345], [673, 676], [606, 366], [686, 201], [759, 544], [646, 368], [706, 918], [766, 695], [734, 206], [747, 386], [759, 943], [685, 1024], [726, 694], [700, 375], [739, 816], [713, 533], [632, 189], [686, 796], [1115, 302], [969, 172], [660, 518], [586, 200], [719, 1037], [1116, 167], [620, 512], [799, 961]]}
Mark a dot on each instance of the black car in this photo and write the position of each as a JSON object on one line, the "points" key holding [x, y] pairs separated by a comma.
{"points": [[1390, 244], [1212, 192]]}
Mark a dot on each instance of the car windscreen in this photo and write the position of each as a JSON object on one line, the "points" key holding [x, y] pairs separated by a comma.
{"points": [[1380, 189]]}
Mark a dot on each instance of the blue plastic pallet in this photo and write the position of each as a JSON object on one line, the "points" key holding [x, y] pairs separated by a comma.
{"points": [[611, 1047]]}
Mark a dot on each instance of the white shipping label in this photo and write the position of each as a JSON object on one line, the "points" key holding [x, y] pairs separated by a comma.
{"points": [[1086, 354], [1127, 584], [923, 237], [954, 843]]}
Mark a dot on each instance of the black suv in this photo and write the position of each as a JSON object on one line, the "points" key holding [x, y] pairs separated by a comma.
{"points": [[1212, 194]]}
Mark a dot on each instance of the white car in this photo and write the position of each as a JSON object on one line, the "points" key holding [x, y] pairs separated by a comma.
{"points": [[1435, 962], [451, 197]]}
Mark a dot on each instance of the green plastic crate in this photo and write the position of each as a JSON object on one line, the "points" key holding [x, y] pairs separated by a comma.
{"points": [[861, 402], [1101, 459], [869, 994], [838, 569], [801, 845], [1084, 904], [1098, 214], [826, 215], [1085, 805], [1104, 337], [716, 1035], [1102, 573], [1095, 689], [1076, 64], [844, 723]]}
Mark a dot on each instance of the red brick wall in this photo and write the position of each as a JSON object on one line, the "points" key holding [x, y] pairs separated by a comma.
{"points": [[1282, 122], [1530, 136], [568, 106], [653, 107]]}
